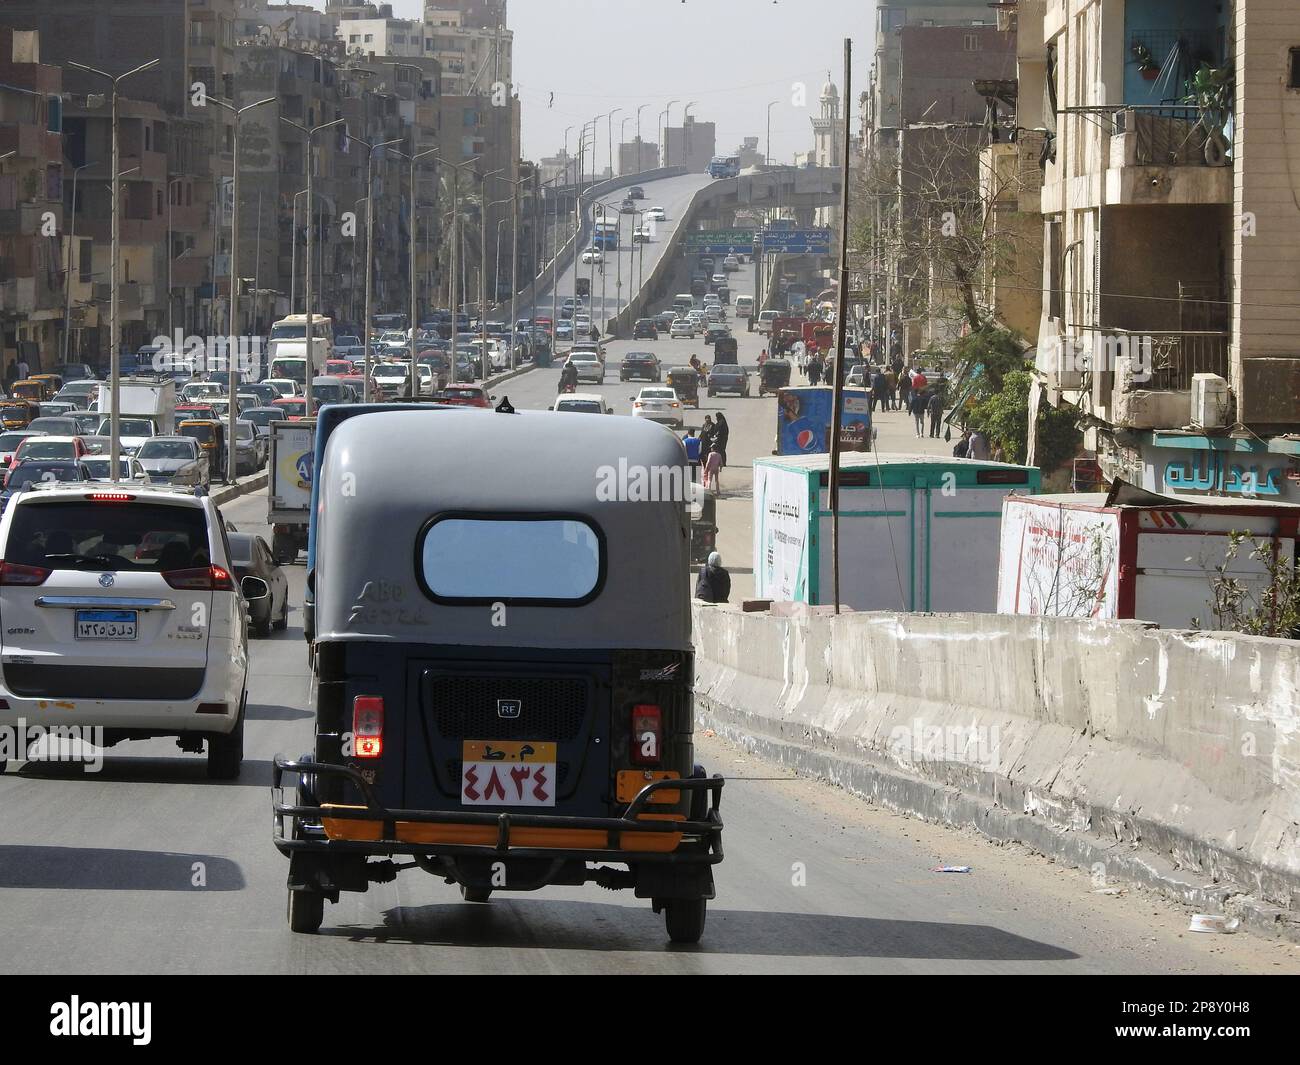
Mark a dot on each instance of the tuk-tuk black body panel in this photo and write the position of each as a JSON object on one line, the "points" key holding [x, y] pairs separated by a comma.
{"points": [[584, 681]]}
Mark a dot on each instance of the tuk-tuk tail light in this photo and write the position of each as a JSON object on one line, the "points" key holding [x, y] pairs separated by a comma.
{"points": [[367, 726], [647, 734]]}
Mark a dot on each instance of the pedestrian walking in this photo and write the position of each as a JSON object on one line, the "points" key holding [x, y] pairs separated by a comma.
{"points": [[712, 468], [706, 436], [11, 375], [24, 371], [879, 391], [917, 408], [891, 389], [961, 449], [692, 444], [815, 370], [721, 434], [714, 583], [979, 446], [934, 407], [904, 391]]}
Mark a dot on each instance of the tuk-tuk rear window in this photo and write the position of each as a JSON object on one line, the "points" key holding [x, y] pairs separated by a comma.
{"points": [[556, 560]]}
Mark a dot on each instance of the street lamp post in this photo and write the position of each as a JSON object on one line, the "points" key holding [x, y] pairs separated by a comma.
{"points": [[484, 207], [413, 160], [232, 372], [311, 340], [767, 157], [668, 117], [622, 139], [72, 249], [686, 131], [455, 241], [115, 324], [640, 108], [370, 255], [609, 137]]}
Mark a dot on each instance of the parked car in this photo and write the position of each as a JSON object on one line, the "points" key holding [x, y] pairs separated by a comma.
{"points": [[251, 557]]}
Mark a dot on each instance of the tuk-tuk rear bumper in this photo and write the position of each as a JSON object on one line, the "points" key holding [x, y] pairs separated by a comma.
{"points": [[639, 835]]}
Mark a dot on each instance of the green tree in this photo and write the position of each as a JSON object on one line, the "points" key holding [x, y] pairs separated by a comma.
{"points": [[1004, 416]]}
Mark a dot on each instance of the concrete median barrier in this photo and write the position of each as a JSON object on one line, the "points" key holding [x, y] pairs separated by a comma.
{"points": [[1167, 758]]}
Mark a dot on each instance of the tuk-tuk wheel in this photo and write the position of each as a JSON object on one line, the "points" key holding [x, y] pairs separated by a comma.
{"points": [[684, 919], [306, 911], [475, 894]]}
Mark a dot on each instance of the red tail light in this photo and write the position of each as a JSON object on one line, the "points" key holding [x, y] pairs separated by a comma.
{"points": [[647, 735], [367, 726], [13, 573], [110, 497], [202, 579]]}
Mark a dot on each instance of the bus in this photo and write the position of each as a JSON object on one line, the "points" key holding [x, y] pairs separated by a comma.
{"points": [[605, 234], [724, 166]]}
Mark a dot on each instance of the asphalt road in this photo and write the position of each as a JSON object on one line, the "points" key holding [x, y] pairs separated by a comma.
{"points": [[147, 866], [672, 194]]}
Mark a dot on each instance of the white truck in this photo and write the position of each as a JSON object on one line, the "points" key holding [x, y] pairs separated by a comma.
{"points": [[1152, 558], [153, 398], [290, 463]]}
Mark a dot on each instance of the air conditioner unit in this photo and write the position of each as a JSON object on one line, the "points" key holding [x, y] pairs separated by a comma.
{"points": [[1211, 401]]}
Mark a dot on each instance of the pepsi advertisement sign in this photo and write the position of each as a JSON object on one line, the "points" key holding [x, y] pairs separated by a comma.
{"points": [[804, 420]]}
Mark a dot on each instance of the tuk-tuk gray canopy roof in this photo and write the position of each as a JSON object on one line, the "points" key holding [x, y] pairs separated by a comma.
{"points": [[384, 476]]}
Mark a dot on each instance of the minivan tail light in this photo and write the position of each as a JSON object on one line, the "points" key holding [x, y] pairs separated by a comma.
{"points": [[13, 573], [368, 726], [647, 735], [110, 497], [200, 579]]}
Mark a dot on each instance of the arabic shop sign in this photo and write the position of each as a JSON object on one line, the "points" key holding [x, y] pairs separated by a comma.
{"points": [[1226, 473]]}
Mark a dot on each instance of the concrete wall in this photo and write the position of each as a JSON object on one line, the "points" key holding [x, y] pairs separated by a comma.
{"points": [[1171, 758]]}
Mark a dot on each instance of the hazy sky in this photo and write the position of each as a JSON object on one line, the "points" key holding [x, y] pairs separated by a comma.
{"points": [[732, 56]]}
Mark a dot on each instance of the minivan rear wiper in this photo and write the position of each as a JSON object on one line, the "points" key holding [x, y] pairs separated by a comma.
{"points": [[80, 560]]}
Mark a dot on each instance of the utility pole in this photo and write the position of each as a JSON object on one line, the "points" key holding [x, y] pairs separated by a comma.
{"points": [[455, 254], [311, 225], [841, 322], [484, 207], [370, 254], [233, 343], [115, 322], [72, 246]]}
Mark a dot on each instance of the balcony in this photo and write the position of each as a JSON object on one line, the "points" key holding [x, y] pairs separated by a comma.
{"points": [[1159, 155], [1153, 390]]}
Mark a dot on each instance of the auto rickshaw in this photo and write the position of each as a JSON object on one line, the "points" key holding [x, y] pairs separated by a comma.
{"points": [[31, 389], [725, 351], [18, 413], [52, 380], [211, 437], [556, 750], [685, 381], [773, 375]]}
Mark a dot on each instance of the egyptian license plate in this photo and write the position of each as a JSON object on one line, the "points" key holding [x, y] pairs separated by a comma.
{"points": [[507, 773], [106, 624]]}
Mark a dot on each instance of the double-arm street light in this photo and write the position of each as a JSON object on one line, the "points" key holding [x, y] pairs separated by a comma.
{"points": [[232, 343], [413, 160], [311, 225], [484, 206], [115, 324], [72, 251], [668, 117], [455, 240], [370, 252]]}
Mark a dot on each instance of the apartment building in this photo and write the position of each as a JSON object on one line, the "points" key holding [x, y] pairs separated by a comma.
{"points": [[33, 245], [636, 156], [372, 30], [1172, 238], [472, 43], [692, 145]]}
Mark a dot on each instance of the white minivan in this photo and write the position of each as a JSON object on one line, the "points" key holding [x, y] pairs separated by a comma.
{"points": [[744, 306], [123, 620]]}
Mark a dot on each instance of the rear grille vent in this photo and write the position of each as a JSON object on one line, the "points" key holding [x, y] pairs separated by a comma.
{"points": [[466, 707]]}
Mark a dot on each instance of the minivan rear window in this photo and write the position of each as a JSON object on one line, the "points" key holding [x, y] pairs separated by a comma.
{"points": [[86, 535], [558, 560]]}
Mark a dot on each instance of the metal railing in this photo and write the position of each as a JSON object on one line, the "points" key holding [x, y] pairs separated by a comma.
{"points": [[1166, 134], [1178, 355]]}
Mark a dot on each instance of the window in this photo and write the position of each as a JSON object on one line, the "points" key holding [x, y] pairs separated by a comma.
{"points": [[550, 559], [1055, 296], [972, 42], [1293, 82], [369, 38], [54, 114]]}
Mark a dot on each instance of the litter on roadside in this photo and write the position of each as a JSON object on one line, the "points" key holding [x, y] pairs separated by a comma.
{"points": [[1211, 922], [1111, 891], [952, 869]]}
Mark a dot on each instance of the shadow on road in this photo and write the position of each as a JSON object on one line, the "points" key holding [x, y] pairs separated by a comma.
{"points": [[109, 869], [520, 924], [277, 713], [192, 769]]}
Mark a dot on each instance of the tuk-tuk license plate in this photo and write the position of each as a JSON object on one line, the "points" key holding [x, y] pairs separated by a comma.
{"points": [[507, 773], [106, 624]]}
